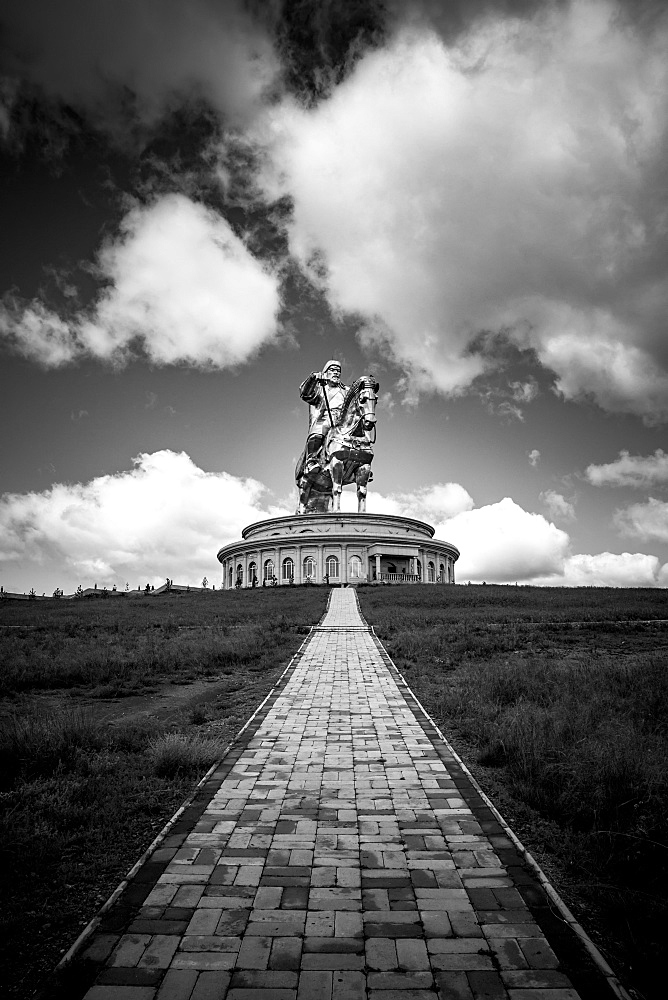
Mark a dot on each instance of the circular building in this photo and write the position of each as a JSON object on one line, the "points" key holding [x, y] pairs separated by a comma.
{"points": [[337, 548]]}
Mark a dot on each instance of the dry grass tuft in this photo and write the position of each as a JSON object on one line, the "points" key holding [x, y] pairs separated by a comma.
{"points": [[183, 753]]}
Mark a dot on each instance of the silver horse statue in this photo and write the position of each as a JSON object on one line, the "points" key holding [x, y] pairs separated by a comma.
{"points": [[345, 456]]}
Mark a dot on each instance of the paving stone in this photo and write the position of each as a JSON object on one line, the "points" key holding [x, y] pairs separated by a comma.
{"points": [[400, 980], [543, 994], [412, 954], [538, 953], [158, 953], [267, 994], [130, 977], [534, 979], [129, 950], [250, 980], [210, 986], [342, 854], [209, 942], [120, 993], [348, 986], [178, 984], [334, 945], [331, 960], [315, 986], [381, 953], [400, 994]]}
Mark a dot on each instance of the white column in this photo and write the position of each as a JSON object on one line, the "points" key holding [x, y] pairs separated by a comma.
{"points": [[298, 566], [377, 566], [321, 564], [344, 568]]}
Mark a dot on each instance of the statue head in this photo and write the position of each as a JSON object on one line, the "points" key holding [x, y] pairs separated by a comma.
{"points": [[332, 371]]}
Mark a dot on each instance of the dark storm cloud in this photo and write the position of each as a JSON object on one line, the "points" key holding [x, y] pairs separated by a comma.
{"points": [[437, 168], [499, 170], [131, 60]]}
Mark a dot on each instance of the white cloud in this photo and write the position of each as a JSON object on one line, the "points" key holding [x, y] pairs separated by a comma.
{"points": [[534, 457], [558, 506], [430, 503], [165, 517], [631, 470], [182, 285], [609, 569], [510, 184], [503, 543], [140, 56], [644, 520]]}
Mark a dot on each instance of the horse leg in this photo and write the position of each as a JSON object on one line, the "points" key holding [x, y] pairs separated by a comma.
{"points": [[362, 478], [304, 487], [336, 472]]}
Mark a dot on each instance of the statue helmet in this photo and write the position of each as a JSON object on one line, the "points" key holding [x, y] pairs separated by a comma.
{"points": [[330, 364]]}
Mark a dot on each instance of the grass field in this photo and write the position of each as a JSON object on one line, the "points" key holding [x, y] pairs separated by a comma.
{"points": [[558, 701], [111, 710]]}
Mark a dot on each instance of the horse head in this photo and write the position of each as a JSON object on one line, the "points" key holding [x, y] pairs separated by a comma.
{"points": [[359, 405]]}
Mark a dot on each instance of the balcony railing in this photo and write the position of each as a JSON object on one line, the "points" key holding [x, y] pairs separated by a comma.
{"points": [[400, 578]]}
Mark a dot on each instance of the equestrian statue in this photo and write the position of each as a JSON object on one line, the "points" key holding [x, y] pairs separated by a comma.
{"points": [[341, 436]]}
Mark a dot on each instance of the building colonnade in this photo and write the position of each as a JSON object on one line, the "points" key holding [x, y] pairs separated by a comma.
{"points": [[283, 565]]}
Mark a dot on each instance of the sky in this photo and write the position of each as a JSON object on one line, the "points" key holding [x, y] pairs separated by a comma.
{"points": [[203, 201]]}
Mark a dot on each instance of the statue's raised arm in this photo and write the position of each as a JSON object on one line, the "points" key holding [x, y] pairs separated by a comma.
{"points": [[339, 445]]}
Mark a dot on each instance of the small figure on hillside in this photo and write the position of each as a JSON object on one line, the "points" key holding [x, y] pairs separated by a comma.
{"points": [[205, 583], [274, 581]]}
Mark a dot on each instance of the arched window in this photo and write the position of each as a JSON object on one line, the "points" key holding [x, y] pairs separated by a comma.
{"points": [[240, 574], [229, 578], [419, 569], [288, 570], [268, 571], [332, 567], [309, 568], [441, 573], [431, 572], [252, 573], [355, 567]]}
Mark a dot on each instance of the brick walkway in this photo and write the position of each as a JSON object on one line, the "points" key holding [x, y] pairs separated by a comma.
{"points": [[336, 860]]}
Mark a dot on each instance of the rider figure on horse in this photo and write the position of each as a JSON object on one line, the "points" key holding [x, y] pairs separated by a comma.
{"points": [[324, 392]]}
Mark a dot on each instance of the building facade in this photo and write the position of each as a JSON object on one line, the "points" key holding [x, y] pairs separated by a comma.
{"points": [[337, 548]]}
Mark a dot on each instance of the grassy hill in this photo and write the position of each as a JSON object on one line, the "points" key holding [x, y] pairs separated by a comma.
{"points": [[558, 701]]}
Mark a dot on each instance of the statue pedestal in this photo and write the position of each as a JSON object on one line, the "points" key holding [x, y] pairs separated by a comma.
{"points": [[338, 548]]}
